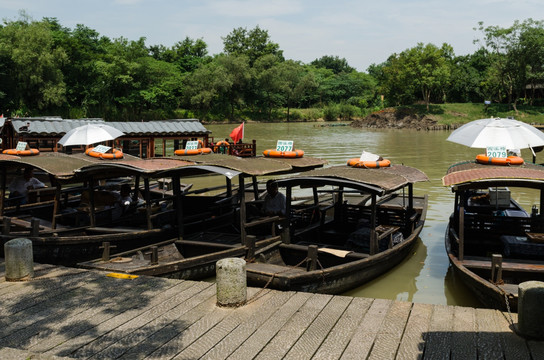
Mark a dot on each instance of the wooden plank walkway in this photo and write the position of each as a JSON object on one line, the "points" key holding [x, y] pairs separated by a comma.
{"points": [[73, 313]]}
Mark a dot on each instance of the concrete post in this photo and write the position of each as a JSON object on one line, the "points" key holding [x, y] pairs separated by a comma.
{"points": [[530, 314], [231, 282], [19, 259]]}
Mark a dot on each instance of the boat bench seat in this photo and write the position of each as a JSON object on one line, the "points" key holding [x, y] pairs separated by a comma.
{"points": [[484, 263]]}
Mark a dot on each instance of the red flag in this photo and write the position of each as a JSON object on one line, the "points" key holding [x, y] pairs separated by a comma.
{"points": [[237, 133]]}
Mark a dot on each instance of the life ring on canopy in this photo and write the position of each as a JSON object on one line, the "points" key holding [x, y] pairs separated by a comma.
{"points": [[355, 162], [21, 152], [203, 151], [284, 154], [510, 160], [219, 144], [117, 154]]}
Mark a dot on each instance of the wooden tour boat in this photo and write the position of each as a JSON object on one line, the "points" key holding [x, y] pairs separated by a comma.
{"points": [[345, 226], [493, 243], [194, 254], [69, 220]]}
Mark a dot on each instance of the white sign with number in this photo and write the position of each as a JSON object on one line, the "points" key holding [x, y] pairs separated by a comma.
{"points": [[284, 145], [21, 145], [102, 149], [191, 145], [496, 151]]}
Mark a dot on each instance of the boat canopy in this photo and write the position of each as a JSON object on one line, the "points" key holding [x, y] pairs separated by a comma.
{"points": [[379, 181], [258, 166], [470, 174]]}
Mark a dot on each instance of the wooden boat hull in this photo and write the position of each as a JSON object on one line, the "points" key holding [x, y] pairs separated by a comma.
{"points": [[71, 249], [181, 259], [335, 279]]}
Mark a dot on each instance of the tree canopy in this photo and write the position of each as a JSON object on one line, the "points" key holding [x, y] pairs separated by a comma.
{"points": [[48, 69]]}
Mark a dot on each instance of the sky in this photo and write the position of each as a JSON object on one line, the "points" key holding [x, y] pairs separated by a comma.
{"points": [[361, 31]]}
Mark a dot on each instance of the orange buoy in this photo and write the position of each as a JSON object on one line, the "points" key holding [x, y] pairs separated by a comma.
{"points": [[284, 154], [219, 144], [21, 152], [355, 162], [116, 154], [193, 151], [510, 160]]}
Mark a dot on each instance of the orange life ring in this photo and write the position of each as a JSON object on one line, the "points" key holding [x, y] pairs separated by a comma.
{"points": [[284, 154], [193, 151], [510, 160], [21, 152], [355, 162], [219, 144], [117, 154]]}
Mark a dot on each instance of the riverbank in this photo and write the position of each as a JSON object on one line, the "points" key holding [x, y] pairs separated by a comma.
{"points": [[436, 117]]}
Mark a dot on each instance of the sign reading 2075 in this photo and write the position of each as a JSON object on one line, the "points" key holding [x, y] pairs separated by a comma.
{"points": [[284, 145]]}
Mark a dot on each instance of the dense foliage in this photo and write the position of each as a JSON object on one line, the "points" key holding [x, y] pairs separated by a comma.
{"points": [[47, 69]]}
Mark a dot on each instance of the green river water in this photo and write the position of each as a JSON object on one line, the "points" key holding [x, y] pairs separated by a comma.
{"points": [[425, 276]]}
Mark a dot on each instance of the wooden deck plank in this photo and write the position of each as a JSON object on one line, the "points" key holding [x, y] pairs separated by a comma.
{"points": [[132, 319], [238, 337], [412, 343], [387, 343], [73, 305], [197, 329], [28, 293], [133, 332], [343, 330], [196, 308], [79, 324], [294, 328], [319, 329], [84, 314], [146, 299], [515, 347], [489, 344], [464, 334], [230, 332], [262, 336], [536, 348], [361, 343], [438, 343]]}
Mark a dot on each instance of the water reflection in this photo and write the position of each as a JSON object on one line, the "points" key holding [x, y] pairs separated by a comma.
{"points": [[424, 277], [402, 280]]}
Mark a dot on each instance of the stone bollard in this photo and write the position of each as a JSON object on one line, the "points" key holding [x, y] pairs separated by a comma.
{"points": [[530, 314], [231, 282], [19, 259]]}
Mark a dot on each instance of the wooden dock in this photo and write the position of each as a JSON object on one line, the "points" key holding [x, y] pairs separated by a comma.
{"points": [[74, 313]]}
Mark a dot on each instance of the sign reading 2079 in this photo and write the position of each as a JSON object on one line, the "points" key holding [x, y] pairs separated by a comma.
{"points": [[496, 151], [284, 145]]}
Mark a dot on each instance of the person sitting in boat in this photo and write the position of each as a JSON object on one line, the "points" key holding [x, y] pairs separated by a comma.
{"points": [[18, 188], [274, 201]]}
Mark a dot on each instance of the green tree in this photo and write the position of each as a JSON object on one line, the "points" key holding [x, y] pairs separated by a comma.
{"points": [[187, 54], [253, 43], [294, 83], [512, 52], [334, 63], [33, 76], [424, 68]]}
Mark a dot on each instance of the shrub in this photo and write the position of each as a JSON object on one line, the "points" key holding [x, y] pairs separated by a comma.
{"points": [[331, 112]]}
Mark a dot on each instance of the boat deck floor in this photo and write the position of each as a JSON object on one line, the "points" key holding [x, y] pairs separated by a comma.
{"points": [[273, 269]]}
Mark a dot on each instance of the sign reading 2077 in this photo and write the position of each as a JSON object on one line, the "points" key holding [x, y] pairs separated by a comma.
{"points": [[284, 145], [496, 151]]}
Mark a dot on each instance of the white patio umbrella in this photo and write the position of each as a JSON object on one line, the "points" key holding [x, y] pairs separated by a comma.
{"points": [[90, 134], [512, 134]]}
